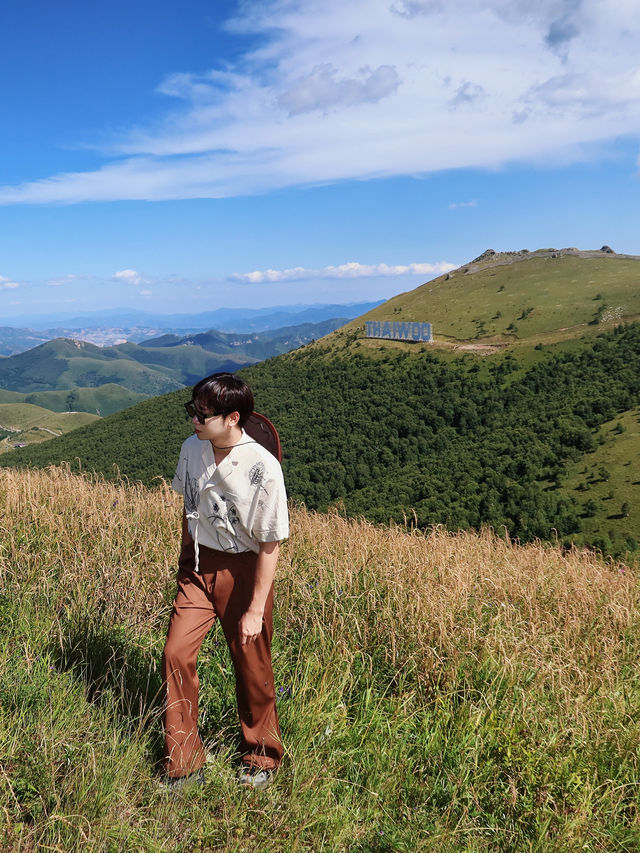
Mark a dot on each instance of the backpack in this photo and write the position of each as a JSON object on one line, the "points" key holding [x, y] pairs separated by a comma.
{"points": [[260, 429]]}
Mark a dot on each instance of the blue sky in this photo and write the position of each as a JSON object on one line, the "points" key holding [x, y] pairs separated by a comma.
{"points": [[185, 157]]}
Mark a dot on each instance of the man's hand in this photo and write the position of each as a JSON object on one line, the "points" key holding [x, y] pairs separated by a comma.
{"points": [[250, 626]]}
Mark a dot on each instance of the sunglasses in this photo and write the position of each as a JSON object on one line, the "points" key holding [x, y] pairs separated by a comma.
{"points": [[193, 412]]}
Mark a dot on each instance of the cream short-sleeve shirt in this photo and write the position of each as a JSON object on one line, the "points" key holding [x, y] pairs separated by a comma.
{"points": [[237, 504]]}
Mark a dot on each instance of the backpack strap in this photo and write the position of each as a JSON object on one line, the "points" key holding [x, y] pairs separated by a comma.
{"points": [[263, 431]]}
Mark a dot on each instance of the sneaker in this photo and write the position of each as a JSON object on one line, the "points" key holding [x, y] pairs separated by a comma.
{"points": [[251, 776], [173, 784]]}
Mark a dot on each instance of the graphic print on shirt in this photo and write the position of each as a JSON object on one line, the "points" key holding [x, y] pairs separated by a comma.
{"points": [[256, 475], [191, 494], [227, 515]]}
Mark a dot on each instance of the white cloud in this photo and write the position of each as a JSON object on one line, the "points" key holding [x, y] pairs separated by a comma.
{"points": [[129, 277], [348, 270], [58, 282], [7, 284], [456, 204], [321, 89], [375, 88], [146, 292]]}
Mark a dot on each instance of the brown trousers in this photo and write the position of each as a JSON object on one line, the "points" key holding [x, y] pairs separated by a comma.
{"points": [[223, 588]]}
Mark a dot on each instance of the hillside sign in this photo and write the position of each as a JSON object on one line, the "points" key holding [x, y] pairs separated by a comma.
{"points": [[395, 331]]}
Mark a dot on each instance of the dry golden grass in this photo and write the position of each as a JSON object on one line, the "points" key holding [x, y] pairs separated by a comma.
{"points": [[419, 668], [114, 547], [530, 605]]}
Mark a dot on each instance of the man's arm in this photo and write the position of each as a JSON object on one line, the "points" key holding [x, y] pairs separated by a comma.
{"points": [[250, 624], [186, 558], [187, 539]]}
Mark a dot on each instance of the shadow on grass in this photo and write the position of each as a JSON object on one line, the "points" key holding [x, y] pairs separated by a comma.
{"points": [[116, 671]]}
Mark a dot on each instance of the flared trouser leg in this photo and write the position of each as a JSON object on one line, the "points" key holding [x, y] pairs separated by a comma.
{"points": [[255, 688], [222, 588], [191, 618]]}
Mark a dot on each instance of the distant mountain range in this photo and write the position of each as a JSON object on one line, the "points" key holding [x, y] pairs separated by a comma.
{"points": [[119, 324], [57, 373]]}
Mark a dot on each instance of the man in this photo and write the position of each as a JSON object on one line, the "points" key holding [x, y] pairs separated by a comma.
{"points": [[235, 515]]}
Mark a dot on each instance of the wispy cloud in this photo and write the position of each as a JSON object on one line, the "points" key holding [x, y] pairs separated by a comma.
{"points": [[322, 89], [65, 279], [466, 93], [348, 270], [411, 87], [457, 204], [129, 277], [7, 284]]}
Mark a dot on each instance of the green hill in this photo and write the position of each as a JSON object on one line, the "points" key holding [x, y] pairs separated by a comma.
{"points": [[25, 424], [516, 298], [141, 442], [433, 434], [63, 363], [255, 346], [129, 372], [103, 400]]}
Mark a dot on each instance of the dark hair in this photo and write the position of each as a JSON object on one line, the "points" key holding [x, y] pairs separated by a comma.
{"points": [[224, 392]]}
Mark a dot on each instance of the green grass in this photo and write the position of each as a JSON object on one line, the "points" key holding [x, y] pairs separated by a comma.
{"points": [[436, 693], [103, 400], [11, 396], [609, 477], [28, 424], [546, 298]]}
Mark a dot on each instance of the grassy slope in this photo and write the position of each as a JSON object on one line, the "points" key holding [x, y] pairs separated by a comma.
{"points": [[497, 714], [11, 396], [62, 364], [562, 292], [103, 400], [610, 478], [122, 439], [28, 424]]}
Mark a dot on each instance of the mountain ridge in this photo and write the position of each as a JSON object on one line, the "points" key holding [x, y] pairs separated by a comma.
{"points": [[242, 320], [506, 300], [161, 365]]}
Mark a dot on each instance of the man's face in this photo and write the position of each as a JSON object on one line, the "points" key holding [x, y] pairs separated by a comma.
{"points": [[215, 427]]}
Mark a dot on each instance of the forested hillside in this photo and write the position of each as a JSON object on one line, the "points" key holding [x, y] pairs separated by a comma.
{"points": [[449, 443], [409, 435]]}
